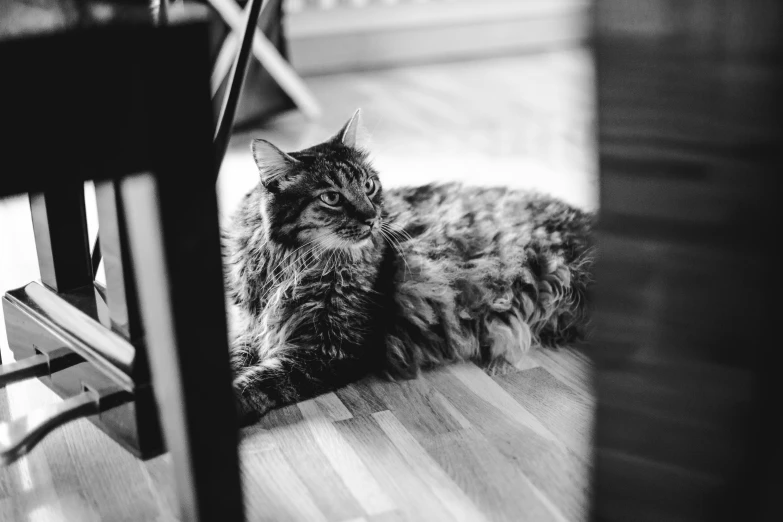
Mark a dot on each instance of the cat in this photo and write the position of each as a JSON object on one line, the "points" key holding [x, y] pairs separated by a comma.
{"points": [[335, 278]]}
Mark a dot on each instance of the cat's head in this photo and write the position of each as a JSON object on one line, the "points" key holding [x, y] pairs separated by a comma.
{"points": [[328, 195]]}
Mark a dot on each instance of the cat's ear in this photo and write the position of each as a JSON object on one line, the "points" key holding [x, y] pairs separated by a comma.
{"points": [[271, 161], [353, 134]]}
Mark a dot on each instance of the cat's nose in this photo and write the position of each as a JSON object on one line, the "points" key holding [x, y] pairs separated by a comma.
{"points": [[370, 222]]}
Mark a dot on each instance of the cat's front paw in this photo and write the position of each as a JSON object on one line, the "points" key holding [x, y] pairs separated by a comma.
{"points": [[251, 405]]}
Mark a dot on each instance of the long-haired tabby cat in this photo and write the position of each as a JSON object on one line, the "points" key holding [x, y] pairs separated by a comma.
{"points": [[335, 278]]}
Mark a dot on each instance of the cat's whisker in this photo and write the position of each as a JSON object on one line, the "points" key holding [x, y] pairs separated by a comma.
{"points": [[396, 243], [323, 272], [312, 244], [271, 273], [307, 260], [273, 285], [405, 236], [397, 229], [395, 239], [402, 255], [286, 257], [396, 247], [391, 234], [314, 255]]}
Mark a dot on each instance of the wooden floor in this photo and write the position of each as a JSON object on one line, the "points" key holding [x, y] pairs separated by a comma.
{"points": [[525, 121], [455, 444]]}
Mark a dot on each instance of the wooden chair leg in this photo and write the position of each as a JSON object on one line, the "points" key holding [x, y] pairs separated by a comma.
{"points": [[120, 293], [266, 53], [224, 61], [234, 90], [171, 217], [61, 241], [179, 281]]}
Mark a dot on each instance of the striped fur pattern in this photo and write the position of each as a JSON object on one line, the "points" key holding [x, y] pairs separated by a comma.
{"points": [[333, 278]]}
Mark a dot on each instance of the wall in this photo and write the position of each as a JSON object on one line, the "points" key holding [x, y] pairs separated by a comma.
{"points": [[344, 35]]}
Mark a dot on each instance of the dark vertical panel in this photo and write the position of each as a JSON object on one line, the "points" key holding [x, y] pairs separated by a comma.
{"points": [[61, 241], [685, 299]]}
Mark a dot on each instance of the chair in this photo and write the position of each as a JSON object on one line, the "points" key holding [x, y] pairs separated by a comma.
{"points": [[139, 123]]}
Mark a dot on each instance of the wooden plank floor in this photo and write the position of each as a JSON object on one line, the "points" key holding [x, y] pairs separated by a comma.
{"points": [[455, 444]]}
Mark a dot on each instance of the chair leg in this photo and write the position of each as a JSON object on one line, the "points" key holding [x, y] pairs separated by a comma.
{"points": [[120, 293], [171, 217], [179, 280], [266, 53], [234, 90], [224, 61], [61, 241]]}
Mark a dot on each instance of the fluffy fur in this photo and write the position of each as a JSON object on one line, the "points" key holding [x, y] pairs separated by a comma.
{"points": [[390, 282]]}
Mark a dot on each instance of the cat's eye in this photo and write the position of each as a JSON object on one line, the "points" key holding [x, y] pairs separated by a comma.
{"points": [[331, 198], [369, 186]]}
